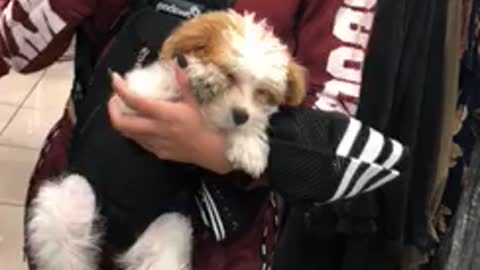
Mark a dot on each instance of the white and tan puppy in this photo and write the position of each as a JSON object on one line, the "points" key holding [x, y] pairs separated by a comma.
{"points": [[239, 71]]}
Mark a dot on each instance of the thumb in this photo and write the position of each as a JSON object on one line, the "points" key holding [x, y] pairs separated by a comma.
{"points": [[181, 76]]}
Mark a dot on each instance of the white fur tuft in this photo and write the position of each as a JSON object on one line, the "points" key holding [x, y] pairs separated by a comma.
{"points": [[166, 245], [258, 51], [153, 81], [61, 227], [248, 150]]}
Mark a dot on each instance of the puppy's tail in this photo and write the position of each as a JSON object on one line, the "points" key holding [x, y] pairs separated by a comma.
{"points": [[61, 230]]}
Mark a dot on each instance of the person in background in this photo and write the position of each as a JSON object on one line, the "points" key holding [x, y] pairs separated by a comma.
{"points": [[330, 38]]}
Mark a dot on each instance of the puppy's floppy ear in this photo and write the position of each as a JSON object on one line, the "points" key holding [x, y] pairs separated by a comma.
{"points": [[198, 36], [296, 83]]}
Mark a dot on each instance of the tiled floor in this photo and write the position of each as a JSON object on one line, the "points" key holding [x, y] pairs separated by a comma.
{"points": [[29, 105]]}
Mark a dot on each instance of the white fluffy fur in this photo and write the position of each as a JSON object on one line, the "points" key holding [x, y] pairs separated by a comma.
{"points": [[61, 227], [249, 152], [165, 245], [149, 80], [260, 60], [260, 55]]}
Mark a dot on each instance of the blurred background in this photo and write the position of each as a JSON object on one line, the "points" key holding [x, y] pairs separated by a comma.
{"points": [[29, 106]]}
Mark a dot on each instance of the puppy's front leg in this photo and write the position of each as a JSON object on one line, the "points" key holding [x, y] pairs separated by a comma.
{"points": [[248, 152]]}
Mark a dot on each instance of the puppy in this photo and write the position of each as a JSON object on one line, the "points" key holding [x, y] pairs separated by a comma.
{"points": [[240, 74]]}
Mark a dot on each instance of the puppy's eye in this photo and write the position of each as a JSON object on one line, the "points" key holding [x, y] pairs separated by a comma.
{"points": [[231, 77], [262, 92], [264, 96]]}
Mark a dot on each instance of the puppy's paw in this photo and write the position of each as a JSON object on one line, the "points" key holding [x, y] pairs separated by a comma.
{"points": [[166, 245], [249, 154]]}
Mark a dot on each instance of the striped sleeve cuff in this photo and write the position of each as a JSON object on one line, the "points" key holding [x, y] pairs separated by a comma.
{"points": [[372, 160], [349, 159]]}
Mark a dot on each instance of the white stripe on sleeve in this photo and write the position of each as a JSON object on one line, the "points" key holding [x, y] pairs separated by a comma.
{"points": [[349, 137], [371, 172], [373, 147], [214, 215], [201, 208], [384, 180], [346, 179], [394, 156]]}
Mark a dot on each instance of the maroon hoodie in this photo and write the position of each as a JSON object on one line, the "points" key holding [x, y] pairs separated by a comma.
{"points": [[329, 37]]}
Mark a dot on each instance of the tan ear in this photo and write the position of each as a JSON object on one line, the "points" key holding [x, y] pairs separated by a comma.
{"points": [[296, 78], [199, 36]]}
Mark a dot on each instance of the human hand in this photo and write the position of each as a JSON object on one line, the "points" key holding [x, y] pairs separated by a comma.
{"points": [[173, 131]]}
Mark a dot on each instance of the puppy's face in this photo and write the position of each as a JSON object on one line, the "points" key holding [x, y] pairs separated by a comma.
{"points": [[239, 71]]}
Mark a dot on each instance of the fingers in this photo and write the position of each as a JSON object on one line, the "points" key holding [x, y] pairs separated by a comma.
{"points": [[129, 125], [181, 76], [157, 125], [181, 60], [143, 131], [159, 148], [150, 147], [153, 107]]}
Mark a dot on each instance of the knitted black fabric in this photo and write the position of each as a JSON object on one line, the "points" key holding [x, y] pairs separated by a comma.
{"points": [[306, 163], [304, 174]]}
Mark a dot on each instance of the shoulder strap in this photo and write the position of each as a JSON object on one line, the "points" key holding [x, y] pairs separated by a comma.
{"points": [[87, 54]]}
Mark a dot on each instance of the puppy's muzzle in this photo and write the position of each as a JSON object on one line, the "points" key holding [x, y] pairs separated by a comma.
{"points": [[240, 116]]}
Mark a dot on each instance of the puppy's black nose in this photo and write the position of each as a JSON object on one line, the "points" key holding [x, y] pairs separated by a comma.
{"points": [[240, 116]]}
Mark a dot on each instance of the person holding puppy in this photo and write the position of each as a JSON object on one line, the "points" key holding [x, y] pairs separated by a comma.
{"points": [[315, 33]]}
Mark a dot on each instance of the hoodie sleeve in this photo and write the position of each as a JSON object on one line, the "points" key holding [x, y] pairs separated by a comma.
{"points": [[315, 157], [323, 157], [34, 33]]}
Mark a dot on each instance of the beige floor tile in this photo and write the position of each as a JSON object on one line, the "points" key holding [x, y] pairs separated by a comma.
{"points": [[29, 128], [14, 88], [54, 88], [6, 112], [16, 165], [11, 237]]}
